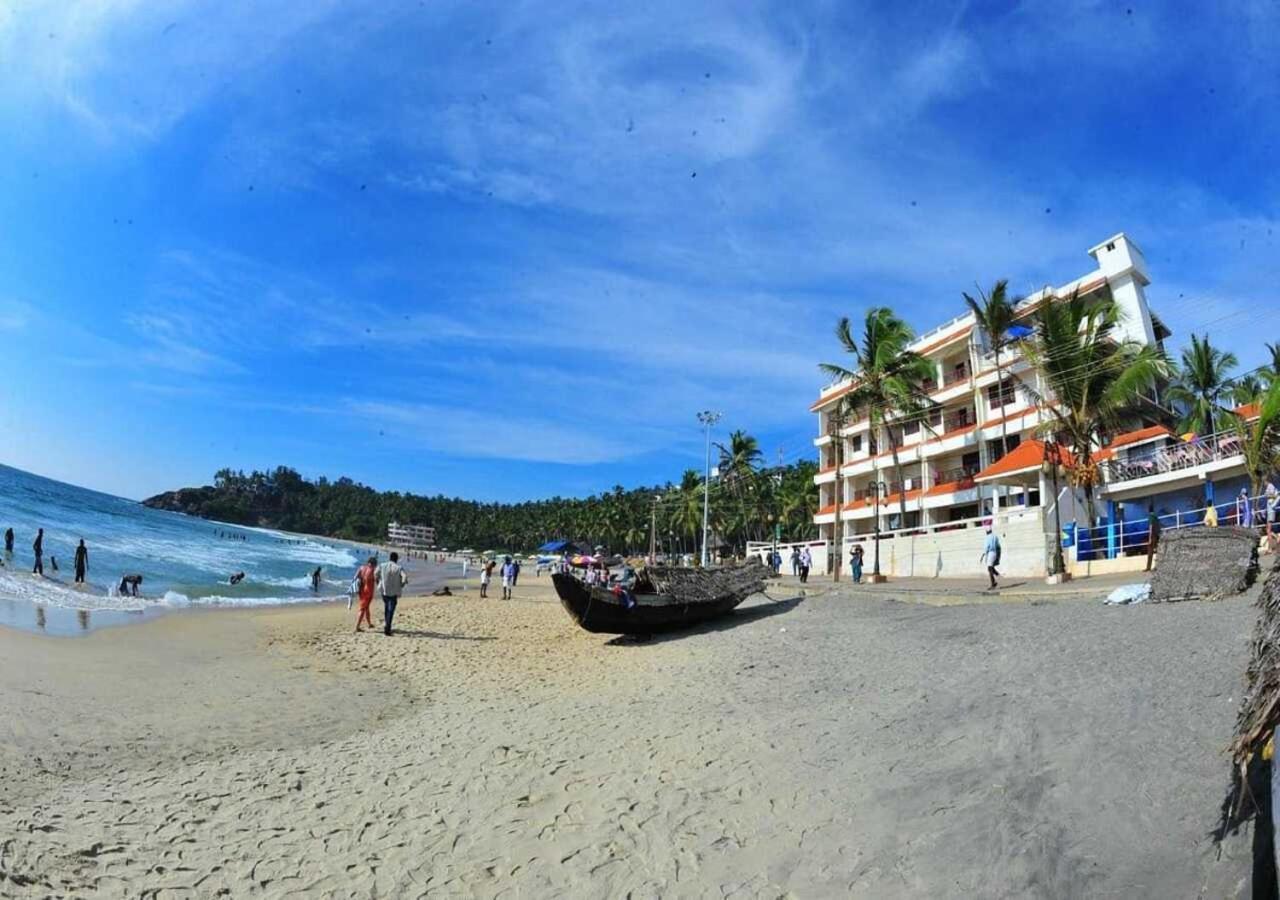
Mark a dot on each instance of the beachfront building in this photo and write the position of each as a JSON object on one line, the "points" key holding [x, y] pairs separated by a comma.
{"points": [[976, 458], [411, 537], [1176, 476]]}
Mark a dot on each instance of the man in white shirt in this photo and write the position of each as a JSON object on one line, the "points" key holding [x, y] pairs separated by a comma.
{"points": [[508, 577], [391, 582]]}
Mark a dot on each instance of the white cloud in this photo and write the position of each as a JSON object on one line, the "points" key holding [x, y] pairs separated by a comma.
{"points": [[15, 315]]}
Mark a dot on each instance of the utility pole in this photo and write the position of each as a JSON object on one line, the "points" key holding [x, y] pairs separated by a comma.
{"points": [[653, 529], [708, 419], [837, 423], [777, 503]]}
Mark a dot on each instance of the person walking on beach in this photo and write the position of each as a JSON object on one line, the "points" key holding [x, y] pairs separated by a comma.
{"points": [[991, 556], [806, 562], [1244, 509], [508, 577], [82, 561], [515, 570], [38, 547], [366, 577], [1153, 534], [392, 580], [855, 563], [486, 576], [1272, 500]]}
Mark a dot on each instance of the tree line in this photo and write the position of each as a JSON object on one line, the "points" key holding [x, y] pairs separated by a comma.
{"points": [[748, 501]]}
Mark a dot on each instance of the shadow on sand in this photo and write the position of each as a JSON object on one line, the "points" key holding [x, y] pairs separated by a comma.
{"points": [[418, 633], [732, 620]]}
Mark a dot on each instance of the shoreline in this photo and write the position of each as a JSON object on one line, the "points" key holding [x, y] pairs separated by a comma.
{"points": [[29, 616]]}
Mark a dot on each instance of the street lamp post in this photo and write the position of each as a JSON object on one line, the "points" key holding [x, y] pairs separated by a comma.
{"points": [[653, 529], [708, 419], [880, 489]]}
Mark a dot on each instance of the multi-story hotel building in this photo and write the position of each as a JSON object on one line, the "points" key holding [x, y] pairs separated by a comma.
{"points": [[411, 537], [954, 471]]}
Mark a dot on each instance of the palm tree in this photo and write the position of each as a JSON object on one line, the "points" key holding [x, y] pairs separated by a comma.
{"points": [[886, 377], [1093, 380], [1274, 350], [993, 315], [1246, 389], [1260, 441], [798, 501], [1202, 386], [686, 513]]}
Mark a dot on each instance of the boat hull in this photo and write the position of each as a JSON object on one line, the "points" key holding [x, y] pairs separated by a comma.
{"points": [[597, 610]]}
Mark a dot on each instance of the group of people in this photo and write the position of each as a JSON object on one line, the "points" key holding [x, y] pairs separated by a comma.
{"points": [[510, 574], [388, 580], [801, 563], [80, 560]]}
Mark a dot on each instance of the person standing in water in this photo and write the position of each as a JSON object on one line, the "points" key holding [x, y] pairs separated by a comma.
{"points": [[38, 547], [315, 580], [82, 561], [392, 580], [8, 541]]}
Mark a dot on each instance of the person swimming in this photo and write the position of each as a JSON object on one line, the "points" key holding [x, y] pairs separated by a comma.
{"points": [[129, 585], [236, 578]]}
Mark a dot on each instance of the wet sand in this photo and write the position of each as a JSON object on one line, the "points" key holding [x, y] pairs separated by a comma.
{"points": [[845, 745]]}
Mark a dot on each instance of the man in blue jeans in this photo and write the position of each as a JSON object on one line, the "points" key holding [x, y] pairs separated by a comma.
{"points": [[391, 582]]}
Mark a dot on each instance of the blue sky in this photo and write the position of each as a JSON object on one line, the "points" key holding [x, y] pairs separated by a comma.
{"points": [[508, 250]]}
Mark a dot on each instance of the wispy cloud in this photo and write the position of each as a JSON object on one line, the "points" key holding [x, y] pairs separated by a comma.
{"points": [[15, 315]]}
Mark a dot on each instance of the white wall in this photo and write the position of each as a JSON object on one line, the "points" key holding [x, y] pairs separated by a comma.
{"points": [[817, 550], [955, 554]]}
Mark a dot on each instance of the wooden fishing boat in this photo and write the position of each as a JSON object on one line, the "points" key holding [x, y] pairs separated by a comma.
{"points": [[665, 598]]}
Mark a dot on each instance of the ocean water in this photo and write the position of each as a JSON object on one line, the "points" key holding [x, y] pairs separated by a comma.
{"points": [[183, 561]]}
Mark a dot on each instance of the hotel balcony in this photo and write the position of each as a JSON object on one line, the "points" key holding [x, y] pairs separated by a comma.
{"points": [[1130, 472]]}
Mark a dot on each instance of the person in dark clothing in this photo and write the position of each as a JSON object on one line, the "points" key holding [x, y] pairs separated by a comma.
{"points": [[129, 585], [82, 561], [1153, 534], [315, 580], [8, 540], [38, 547]]}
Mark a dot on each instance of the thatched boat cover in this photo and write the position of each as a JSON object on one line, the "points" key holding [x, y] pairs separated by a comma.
{"points": [[1204, 564], [1260, 708], [702, 585]]}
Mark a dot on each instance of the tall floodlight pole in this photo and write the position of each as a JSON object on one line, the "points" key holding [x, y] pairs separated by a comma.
{"points": [[708, 419]]}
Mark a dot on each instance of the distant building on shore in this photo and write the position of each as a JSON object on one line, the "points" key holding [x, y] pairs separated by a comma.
{"points": [[956, 473], [411, 537]]}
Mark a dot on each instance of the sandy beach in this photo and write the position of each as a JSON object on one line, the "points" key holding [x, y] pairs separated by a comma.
{"points": [[846, 745]]}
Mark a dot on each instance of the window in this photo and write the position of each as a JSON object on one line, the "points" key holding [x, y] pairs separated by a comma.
{"points": [[1002, 394], [995, 448], [855, 444]]}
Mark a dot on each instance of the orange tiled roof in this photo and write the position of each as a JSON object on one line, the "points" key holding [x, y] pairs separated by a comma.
{"points": [[1141, 434], [1023, 458], [1247, 411]]}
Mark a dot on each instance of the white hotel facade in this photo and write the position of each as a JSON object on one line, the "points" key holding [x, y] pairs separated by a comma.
{"points": [[953, 476]]}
